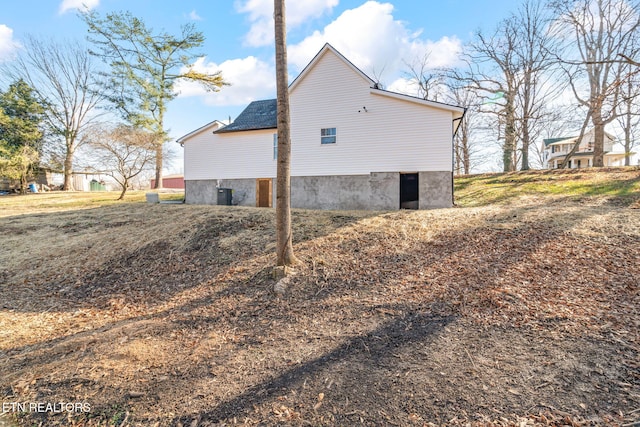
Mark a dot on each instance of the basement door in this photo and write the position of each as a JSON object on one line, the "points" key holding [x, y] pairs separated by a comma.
{"points": [[264, 195], [409, 191]]}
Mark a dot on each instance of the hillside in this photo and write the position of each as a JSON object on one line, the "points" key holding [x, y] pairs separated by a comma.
{"points": [[591, 186], [517, 307]]}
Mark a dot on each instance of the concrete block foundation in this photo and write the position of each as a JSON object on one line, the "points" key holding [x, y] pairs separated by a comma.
{"points": [[376, 191]]}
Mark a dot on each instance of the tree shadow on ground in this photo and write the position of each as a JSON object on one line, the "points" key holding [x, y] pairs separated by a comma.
{"points": [[368, 324], [363, 359]]}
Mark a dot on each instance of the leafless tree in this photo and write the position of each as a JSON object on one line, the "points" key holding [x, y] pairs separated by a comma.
{"points": [[597, 32], [436, 84], [629, 113], [511, 70], [122, 152], [465, 146], [538, 82], [428, 81], [62, 75], [493, 75], [284, 246]]}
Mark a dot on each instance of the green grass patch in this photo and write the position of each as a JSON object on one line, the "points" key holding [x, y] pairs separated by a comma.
{"points": [[619, 185]]}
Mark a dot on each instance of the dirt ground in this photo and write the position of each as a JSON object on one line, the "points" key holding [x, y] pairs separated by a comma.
{"points": [[513, 315]]}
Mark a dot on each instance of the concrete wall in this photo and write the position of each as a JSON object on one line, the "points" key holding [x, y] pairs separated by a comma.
{"points": [[376, 191], [244, 190], [331, 192], [384, 190], [200, 192], [204, 192], [436, 190]]}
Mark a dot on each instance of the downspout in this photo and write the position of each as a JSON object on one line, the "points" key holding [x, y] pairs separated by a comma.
{"points": [[453, 153]]}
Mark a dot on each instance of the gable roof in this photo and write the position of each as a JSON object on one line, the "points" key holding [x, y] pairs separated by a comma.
{"points": [[328, 48], [263, 114], [550, 141], [258, 115], [213, 126]]}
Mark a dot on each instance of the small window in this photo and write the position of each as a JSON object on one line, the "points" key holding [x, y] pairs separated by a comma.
{"points": [[328, 136], [275, 146]]}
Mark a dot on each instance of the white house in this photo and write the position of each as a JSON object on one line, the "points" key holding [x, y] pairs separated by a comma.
{"points": [[556, 149], [353, 146]]}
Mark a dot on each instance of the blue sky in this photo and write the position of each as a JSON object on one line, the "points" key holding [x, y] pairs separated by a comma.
{"points": [[380, 37]]}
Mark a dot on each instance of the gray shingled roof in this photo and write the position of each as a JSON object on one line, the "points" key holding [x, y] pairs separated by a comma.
{"points": [[257, 115], [552, 140]]}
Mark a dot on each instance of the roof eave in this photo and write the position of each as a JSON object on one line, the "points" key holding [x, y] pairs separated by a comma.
{"points": [[183, 138], [225, 130], [457, 110]]}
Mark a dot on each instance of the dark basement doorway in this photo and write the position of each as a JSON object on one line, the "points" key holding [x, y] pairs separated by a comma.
{"points": [[409, 198]]}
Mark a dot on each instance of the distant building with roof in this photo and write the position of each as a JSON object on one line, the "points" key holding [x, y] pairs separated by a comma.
{"points": [[170, 181], [556, 150]]}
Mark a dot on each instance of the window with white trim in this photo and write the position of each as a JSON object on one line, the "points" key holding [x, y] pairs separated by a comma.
{"points": [[275, 146], [328, 136]]}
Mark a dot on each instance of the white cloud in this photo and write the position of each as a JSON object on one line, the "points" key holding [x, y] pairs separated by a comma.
{"points": [[368, 35], [261, 16], [7, 45], [375, 42], [404, 85], [193, 15], [82, 5], [250, 79]]}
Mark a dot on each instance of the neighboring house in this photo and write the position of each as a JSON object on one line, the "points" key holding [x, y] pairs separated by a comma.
{"points": [[353, 146], [170, 181], [44, 179], [556, 149], [48, 179]]}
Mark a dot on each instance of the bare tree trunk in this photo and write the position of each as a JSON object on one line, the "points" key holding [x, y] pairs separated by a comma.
{"points": [[525, 148], [159, 165], [23, 183], [627, 141], [571, 152], [598, 142], [466, 155], [125, 185], [510, 139], [68, 169], [463, 154], [284, 246], [628, 117]]}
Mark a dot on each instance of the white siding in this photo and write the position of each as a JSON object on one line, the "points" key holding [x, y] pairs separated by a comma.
{"points": [[393, 135], [230, 155]]}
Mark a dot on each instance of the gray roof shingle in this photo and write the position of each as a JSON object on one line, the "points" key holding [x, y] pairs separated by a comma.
{"points": [[552, 140], [257, 115]]}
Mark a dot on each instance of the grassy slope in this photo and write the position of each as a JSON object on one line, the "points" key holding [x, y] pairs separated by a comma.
{"points": [[619, 185]]}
